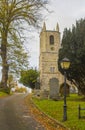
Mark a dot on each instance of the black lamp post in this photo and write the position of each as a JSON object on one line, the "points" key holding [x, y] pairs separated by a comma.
{"points": [[65, 64]]}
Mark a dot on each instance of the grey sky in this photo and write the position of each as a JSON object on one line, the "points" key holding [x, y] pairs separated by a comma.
{"points": [[65, 12]]}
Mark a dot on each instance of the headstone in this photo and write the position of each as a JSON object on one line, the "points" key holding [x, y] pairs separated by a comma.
{"points": [[54, 89], [36, 92], [44, 94], [62, 89]]}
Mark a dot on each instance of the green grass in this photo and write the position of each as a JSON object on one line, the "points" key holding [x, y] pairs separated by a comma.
{"points": [[55, 110], [3, 94]]}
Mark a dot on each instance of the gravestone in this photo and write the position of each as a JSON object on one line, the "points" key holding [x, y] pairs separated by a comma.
{"points": [[54, 89], [44, 94], [62, 89]]}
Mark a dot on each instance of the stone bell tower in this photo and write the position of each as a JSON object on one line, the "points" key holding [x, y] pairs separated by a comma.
{"points": [[48, 62]]}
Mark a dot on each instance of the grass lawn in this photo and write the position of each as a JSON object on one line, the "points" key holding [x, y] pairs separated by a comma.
{"points": [[55, 110], [2, 94]]}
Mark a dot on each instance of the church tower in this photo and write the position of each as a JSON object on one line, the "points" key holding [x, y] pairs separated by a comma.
{"points": [[48, 62]]}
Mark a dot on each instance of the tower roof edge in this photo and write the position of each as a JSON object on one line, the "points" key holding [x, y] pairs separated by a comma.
{"points": [[57, 27], [44, 27]]}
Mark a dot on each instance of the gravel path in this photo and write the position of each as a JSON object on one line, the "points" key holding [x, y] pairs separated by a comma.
{"points": [[14, 115]]}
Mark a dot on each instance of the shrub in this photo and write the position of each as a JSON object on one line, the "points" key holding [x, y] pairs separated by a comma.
{"points": [[21, 90]]}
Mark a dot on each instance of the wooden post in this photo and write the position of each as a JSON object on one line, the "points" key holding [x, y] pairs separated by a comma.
{"points": [[79, 108]]}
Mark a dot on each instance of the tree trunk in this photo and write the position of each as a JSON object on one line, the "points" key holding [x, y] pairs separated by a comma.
{"points": [[4, 79], [5, 66]]}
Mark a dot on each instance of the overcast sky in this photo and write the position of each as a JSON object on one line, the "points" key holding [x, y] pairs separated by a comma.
{"points": [[65, 12]]}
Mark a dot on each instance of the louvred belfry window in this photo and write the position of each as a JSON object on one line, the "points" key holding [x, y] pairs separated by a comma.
{"points": [[51, 40]]}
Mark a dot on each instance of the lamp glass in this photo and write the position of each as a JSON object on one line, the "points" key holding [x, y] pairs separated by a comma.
{"points": [[65, 63]]}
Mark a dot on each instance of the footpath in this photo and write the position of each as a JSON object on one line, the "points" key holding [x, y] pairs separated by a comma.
{"points": [[15, 115]]}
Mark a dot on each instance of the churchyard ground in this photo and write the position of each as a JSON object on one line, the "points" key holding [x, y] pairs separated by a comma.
{"points": [[55, 110]]}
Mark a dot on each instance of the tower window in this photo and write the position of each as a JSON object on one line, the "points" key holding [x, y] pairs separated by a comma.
{"points": [[52, 69], [51, 39]]}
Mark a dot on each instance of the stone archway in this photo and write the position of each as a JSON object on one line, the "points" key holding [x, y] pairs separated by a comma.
{"points": [[54, 88]]}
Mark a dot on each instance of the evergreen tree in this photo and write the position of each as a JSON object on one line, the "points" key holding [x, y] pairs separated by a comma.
{"points": [[73, 47]]}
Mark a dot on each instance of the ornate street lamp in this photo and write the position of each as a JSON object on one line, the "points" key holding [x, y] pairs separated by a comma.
{"points": [[65, 64]]}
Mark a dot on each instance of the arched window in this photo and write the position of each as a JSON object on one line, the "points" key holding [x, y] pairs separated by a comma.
{"points": [[51, 39]]}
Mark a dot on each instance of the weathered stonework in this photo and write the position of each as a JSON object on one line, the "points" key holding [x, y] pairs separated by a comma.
{"points": [[48, 63]]}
